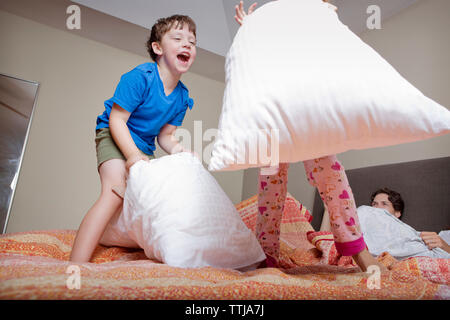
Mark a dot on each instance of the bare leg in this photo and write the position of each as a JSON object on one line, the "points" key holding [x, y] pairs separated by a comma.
{"points": [[112, 173]]}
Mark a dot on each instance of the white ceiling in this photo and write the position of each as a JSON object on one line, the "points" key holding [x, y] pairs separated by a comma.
{"points": [[215, 18]]}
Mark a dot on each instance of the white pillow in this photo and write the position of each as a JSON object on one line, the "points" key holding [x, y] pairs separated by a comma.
{"points": [[384, 232], [294, 67], [177, 212]]}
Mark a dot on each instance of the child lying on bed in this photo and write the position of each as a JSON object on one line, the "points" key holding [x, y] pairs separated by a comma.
{"points": [[385, 232], [392, 202]]}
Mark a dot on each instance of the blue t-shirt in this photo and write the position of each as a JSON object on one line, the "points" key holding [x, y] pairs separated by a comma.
{"points": [[141, 92]]}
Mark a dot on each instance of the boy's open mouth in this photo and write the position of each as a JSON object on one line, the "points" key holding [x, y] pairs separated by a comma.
{"points": [[184, 57]]}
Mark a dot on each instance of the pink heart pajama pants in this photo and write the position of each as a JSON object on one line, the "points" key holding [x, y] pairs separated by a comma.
{"points": [[328, 176]]}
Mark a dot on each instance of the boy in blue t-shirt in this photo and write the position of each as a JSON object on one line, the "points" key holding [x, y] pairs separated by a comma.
{"points": [[150, 102]]}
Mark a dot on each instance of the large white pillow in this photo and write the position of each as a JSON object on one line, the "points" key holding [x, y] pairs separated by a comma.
{"points": [[295, 68], [384, 232], [177, 212]]}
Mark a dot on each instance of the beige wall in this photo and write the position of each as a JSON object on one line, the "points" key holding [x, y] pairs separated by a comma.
{"points": [[416, 43], [58, 181]]}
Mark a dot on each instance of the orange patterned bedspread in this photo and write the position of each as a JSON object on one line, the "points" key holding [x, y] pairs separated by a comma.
{"points": [[34, 265]]}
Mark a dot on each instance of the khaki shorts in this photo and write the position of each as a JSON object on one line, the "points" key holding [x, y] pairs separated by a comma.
{"points": [[107, 149]]}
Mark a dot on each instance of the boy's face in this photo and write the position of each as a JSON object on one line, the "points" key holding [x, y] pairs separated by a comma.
{"points": [[381, 201], [177, 49]]}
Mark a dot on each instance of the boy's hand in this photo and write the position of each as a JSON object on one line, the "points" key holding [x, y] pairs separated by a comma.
{"points": [[240, 12], [133, 159]]}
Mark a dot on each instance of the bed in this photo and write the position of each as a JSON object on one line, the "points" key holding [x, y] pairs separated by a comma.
{"points": [[34, 265]]}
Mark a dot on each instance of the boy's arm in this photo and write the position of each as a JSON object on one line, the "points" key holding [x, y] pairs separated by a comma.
{"points": [[168, 142], [122, 137]]}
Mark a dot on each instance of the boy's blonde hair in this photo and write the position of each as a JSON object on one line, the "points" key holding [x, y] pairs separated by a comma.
{"points": [[163, 25]]}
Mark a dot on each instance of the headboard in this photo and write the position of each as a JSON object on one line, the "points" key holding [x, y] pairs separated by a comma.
{"points": [[424, 186]]}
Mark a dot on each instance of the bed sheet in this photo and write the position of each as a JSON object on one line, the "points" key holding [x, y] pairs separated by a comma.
{"points": [[34, 265]]}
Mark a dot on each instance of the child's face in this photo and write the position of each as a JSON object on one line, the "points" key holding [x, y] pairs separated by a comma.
{"points": [[177, 49], [381, 201]]}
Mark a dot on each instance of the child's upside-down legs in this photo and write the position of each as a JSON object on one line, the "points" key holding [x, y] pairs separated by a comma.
{"points": [[328, 175]]}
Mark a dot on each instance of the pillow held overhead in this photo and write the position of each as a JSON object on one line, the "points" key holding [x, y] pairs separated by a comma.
{"points": [[301, 85]]}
